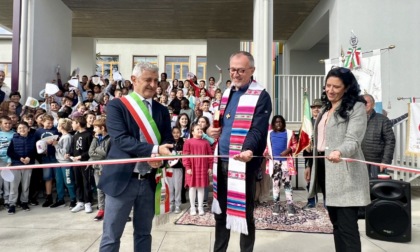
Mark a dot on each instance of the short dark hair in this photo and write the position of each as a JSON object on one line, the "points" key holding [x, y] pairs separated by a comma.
{"points": [[23, 123], [81, 120], [15, 93]]}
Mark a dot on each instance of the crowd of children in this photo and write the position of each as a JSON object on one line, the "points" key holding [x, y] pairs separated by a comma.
{"points": [[71, 127]]}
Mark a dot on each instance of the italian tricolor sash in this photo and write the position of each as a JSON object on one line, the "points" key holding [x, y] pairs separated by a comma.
{"points": [[148, 127], [236, 191], [142, 116]]}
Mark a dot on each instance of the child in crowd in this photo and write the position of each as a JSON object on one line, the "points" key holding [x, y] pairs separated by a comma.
{"points": [[30, 120], [163, 100], [97, 151], [6, 135], [79, 151], [47, 157], [172, 96], [174, 118], [176, 181], [64, 176], [281, 143], [90, 118], [185, 109], [216, 102], [206, 110], [197, 169], [21, 152], [184, 123], [205, 124], [103, 104], [191, 98]]}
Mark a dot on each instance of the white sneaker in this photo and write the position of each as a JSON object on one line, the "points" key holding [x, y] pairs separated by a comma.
{"points": [[193, 211], [79, 207], [177, 210], [200, 211], [88, 207]]}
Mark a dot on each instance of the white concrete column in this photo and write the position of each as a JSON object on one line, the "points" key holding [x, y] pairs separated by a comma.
{"points": [[218, 53], [49, 43], [83, 55], [263, 41]]}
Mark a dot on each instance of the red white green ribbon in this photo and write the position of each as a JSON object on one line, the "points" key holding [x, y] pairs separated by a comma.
{"points": [[352, 58], [142, 116]]}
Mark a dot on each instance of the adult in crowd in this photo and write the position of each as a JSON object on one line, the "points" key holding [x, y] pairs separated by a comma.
{"points": [[379, 142], [176, 103], [246, 99], [15, 97], [164, 84], [339, 130], [315, 108], [4, 89], [133, 185]]}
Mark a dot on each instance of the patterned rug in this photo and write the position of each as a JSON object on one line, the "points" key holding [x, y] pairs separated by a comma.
{"points": [[315, 220]]}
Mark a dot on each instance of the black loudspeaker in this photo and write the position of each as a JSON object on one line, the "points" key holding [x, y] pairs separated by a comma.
{"points": [[388, 216]]}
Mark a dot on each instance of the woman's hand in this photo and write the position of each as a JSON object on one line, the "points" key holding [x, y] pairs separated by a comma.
{"points": [[334, 157]]}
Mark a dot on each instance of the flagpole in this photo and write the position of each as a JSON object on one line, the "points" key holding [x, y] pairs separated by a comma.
{"points": [[390, 47]]}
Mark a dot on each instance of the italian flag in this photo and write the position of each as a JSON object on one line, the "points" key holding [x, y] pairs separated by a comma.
{"points": [[305, 133], [352, 58]]}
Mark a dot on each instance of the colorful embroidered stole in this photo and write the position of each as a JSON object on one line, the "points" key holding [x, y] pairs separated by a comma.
{"points": [[236, 191], [148, 127]]}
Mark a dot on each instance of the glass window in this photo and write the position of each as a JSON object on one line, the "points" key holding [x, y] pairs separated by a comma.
{"points": [[151, 59], [177, 67], [7, 68], [106, 65], [201, 67]]}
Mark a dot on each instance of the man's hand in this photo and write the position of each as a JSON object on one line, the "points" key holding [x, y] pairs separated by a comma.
{"points": [[382, 168], [307, 174], [164, 149], [189, 171], [244, 156], [214, 132], [155, 164]]}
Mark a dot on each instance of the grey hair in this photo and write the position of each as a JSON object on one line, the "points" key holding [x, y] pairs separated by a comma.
{"points": [[371, 98], [139, 68], [247, 54]]}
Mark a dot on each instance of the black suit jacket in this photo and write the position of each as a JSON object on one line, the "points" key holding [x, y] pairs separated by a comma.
{"points": [[125, 143]]}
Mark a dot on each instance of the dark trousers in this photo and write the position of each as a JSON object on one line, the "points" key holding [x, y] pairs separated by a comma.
{"points": [[82, 182], [345, 228], [321, 173], [222, 233], [36, 185]]}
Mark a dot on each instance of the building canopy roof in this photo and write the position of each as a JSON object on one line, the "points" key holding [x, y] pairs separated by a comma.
{"points": [[174, 19]]}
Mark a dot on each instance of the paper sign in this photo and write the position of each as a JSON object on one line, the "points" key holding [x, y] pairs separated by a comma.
{"points": [[93, 105], [32, 102], [74, 82], [96, 80], [51, 89], [116, 76], [7, 175]]}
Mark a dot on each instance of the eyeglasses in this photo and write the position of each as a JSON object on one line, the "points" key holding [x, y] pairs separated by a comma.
{"points": [[239, 70]]}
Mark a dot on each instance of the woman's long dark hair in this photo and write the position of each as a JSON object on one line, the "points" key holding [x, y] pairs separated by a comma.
{"points": [[351, 94]]}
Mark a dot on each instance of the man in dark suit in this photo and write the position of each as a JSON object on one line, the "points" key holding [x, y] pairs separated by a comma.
{"points": [[252, 148], [133, 185]]}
